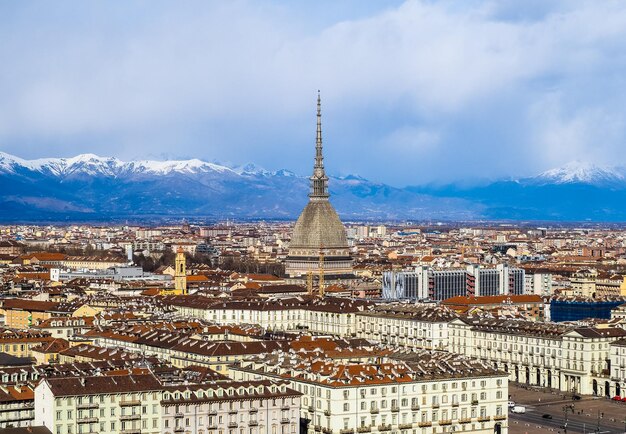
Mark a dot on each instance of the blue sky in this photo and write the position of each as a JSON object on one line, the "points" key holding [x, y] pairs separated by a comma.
{"points": [[413, 92]]}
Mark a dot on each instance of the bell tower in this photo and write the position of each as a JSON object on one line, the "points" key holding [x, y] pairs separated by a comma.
{"points": [[180, 273]]}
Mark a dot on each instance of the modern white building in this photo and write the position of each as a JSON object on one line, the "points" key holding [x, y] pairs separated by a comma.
{"points": [[427, 283], [538, 284]]}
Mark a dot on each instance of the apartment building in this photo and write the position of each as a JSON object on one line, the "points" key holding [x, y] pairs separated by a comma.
{"points": [[251, 407], [127, 403], [538, 283], [16, 405], [404, 392], [19, 343], [618, 368], [335, 316], [408, 326], [21, 313], [568, 358], [181, 349]]}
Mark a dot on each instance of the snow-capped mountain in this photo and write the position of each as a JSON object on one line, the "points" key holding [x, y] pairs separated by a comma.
{"points": [[94, 165], [90, 187], [582, 172]]}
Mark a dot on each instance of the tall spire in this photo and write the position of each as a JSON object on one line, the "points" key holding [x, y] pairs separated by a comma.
{"points": [[319, 180], [319, 157]]}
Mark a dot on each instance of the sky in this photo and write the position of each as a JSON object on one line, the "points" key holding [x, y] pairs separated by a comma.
{"points": [[413, 92]]}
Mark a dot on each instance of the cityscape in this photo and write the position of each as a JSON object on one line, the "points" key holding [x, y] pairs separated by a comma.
{"points": [[152, 284]]}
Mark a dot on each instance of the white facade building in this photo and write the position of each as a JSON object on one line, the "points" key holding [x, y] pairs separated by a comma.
{"points": [[403, 393]]}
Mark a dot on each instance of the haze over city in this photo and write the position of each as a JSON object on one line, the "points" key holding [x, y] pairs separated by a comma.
{"points": [[414, 92]]}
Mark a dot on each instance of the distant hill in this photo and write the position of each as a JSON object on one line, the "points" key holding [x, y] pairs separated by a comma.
{"points": [[88, 188]]}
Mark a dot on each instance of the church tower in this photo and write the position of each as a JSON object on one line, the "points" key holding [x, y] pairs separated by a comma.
{"points": [[180, 273], [319, 244]]}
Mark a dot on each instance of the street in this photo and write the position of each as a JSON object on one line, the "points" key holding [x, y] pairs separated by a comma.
{"points": [[588, 415]]}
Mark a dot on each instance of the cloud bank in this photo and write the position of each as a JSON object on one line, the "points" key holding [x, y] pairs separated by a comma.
{"points": [[413, 92]]}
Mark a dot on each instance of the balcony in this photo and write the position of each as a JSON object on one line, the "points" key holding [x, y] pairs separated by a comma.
{"points": [[87, 420], [395, 409], [424, 424], [285, 408], [133, 431], [327, 430], [232, 425], [484, 419], [87, 406], [253, 423], [326, 412], [254, 410], [214, 412], [415, 407], [285, 420], [384, 427], [474, 402], [130, 402], [374, 410], [435, 405], [346, 431], [465, 420], [455, 404], [179, 429], [445, 422], [311, 409], [318, 428], [500, 417], [363, 429], [131, 417], [179, 415], [405, 426]]}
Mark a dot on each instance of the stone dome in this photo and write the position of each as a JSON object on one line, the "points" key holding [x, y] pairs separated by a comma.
{"points": [[318, 226]]}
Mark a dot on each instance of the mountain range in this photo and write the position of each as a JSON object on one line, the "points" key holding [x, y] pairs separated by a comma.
{"points": [[92, 188]]}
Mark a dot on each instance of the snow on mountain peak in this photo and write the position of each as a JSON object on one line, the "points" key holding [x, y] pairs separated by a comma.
{"points": [[582, 172], [91, 164]]}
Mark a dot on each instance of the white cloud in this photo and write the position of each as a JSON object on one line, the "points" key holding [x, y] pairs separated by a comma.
{"points": [[235, 81]]}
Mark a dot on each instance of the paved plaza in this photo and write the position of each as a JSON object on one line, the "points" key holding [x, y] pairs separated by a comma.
{"points": [[587, 415]]}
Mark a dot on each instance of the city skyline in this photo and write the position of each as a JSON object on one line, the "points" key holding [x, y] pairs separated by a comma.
{"points": [[414, 92]]}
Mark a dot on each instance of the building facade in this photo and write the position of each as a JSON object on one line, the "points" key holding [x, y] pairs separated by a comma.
{"points": [[399, 393]]}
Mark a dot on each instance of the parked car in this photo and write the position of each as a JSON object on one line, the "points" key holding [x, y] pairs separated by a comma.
{"points": [[519, 409], [547, 416], [511, 404]]}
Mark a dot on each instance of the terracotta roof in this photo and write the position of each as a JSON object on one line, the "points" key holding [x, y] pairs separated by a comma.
{"points": [[493, 299]]}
